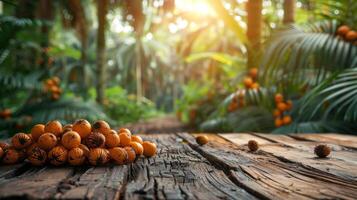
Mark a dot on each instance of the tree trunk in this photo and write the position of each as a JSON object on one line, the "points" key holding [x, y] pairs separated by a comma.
{"points": [[139, 89], [102, 6], [45, 13], [254, 26], [289, 11]]}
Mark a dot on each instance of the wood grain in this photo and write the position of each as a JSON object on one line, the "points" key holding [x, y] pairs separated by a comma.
{"points": [[268, 177], [178, 172], [339, 139]]}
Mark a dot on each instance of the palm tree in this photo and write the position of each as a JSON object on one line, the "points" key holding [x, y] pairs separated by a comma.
{"points": [[289, 11], [102, 9], [254, 26]]}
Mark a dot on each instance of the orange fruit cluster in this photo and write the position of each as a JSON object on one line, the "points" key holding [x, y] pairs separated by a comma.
{"points": [[238, 101], [52, 85], [76, 144], [5, 114], [250, 81], [281, 118], [347, 33]]}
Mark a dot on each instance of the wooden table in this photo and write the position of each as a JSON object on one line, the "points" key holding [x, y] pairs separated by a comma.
{"points": [[283, 168]]}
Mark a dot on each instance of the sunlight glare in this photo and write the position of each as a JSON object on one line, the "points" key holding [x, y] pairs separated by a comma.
{"points": [[197, 7]]}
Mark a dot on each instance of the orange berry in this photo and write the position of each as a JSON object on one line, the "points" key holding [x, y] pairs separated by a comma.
{"points": [[21, 140], [138, 148], [68, 127], [282, 106], [101, 127], [97, 156], [351, 36], [342, 30], [150, 148], [76, 156], [118, 155], [279, 98], [4, 145], [56, 80], [255, 86], [248, 82], [131, 154], [287, 120], [71, 140], [136, 138], [58, 155], [37, 131], [276, 113], [112, 139], [95, 140], [202, 139], [54, 127], [47, 141], [253, 72], [12, 156], [50, 83], [278, 122], [37, 156], [85, 149], [125, 139], [125, 130], [82, 127]]}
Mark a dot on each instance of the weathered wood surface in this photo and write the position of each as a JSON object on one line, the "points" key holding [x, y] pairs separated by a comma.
{"points": [[284, 167]]}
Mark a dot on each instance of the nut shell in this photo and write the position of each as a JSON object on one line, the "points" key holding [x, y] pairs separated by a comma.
{"points": [[58, 155], [47, 141], [101, 127], [138, 148], [76, 156], [131, 154], [37, 131], [82, 127], [150, 148], [202, 139], [118, 155], [112, 139], [21, 140], [71, 140], [12, 156], [54, 127], [37, 156], [97, 156], [322, 151], [95, 140], [136, 138], [253, 145]]}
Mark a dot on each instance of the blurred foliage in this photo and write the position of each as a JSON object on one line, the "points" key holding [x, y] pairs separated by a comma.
{"points": [[125, 108]]}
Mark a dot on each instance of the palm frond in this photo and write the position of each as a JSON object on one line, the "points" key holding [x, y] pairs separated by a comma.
{"points": [[335, 98], [64, 109], [19, 81], [297, 54]]}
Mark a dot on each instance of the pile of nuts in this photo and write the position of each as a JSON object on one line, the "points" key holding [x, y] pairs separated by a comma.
{"points": [[77, 144]]}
